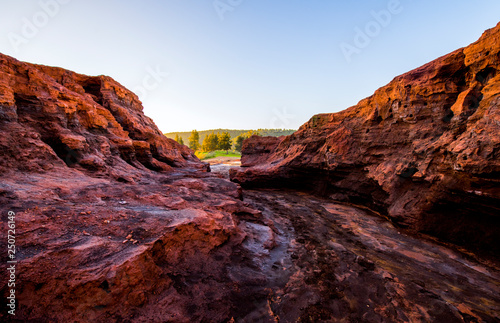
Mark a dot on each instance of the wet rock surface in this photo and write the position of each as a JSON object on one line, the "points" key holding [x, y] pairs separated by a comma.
{"points": [[97, 250], [346, 264], [125, 254], [423, 150]]}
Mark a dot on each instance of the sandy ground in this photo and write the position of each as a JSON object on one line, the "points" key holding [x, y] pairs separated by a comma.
{"points": [[221, 165], [232, 161]]}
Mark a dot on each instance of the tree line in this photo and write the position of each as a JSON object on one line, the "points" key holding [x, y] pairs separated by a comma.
{"points": [[216, 141], [232, 132]]}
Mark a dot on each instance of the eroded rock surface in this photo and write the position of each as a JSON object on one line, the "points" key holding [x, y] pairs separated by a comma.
{"points": [[50, 117], [93, 250], [424, 150], [115, 223], [182, 250], [346, 264], [113, 220]]}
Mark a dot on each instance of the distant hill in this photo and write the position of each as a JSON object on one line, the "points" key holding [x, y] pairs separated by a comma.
{"points": [[232, 132]]}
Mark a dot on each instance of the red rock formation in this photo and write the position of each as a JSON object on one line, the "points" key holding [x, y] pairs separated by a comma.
{"points": [[115, 223], [112, 218], [424, 149], [51, 117]]}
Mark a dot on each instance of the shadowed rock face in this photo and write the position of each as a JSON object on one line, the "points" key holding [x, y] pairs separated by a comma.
{"points": [[424, 149]]}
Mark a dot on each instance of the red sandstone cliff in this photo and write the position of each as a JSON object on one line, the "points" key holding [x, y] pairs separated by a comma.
{"points": [[51, 117], [111, 217], [424, 149]]}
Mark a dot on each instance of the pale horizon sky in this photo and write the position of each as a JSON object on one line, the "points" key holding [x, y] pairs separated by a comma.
{"points": [[241, 64]]}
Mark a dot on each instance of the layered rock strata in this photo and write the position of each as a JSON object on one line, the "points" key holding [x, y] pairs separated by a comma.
{"points": [[423, 150], [51, 117]]}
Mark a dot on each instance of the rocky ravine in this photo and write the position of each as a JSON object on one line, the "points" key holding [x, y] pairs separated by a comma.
{"points": [[423, 150], [116, 223]]}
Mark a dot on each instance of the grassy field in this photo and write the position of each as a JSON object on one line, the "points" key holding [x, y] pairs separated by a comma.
{"points": [[217, 153]]}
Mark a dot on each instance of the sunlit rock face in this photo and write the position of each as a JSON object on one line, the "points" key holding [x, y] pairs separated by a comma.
{"points": [[51, 116], [423, 150]]}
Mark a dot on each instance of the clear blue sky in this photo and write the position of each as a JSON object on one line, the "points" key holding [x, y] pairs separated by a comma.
{"points": [[247, 64]]}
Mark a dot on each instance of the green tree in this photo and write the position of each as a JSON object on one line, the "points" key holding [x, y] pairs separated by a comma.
{"points": [[210, 143], [179, 139], [238, 142], [224, 141], [194, 140], [253, 133]]}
